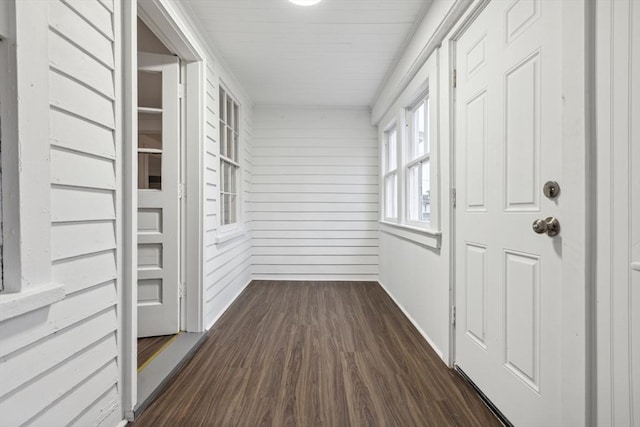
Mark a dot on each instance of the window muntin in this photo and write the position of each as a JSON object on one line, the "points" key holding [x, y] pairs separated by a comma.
{"points": [[229, 158], [418, 165], [391, 174]]}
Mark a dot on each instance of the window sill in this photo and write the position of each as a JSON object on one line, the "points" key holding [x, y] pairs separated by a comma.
{"points": [[229, 235], [19, 303], [420, 236]]}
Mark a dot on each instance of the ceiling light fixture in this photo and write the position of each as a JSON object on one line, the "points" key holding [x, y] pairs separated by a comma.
{"points": [[305, 2]]}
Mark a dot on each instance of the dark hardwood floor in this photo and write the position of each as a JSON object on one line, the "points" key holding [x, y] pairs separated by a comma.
{"points": [[316, 354], [147, 347]]}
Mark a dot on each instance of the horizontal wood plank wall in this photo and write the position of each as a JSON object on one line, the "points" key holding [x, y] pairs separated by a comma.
{"points": [[58, 365], [315, 194], [227, 264]]}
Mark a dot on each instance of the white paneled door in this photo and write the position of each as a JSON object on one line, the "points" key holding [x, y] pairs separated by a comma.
{"points": [[508, 145], [158, 204]]}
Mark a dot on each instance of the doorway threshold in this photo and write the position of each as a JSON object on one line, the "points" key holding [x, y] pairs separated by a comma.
{"points": [[157, 374]]}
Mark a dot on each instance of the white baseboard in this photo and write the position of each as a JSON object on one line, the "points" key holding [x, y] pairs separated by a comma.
{"points": [[223, 311], [415, 324], [284, 278]]}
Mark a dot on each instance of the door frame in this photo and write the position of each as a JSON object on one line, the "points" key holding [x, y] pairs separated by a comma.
{"points": [[169, 26], [578, 213]]}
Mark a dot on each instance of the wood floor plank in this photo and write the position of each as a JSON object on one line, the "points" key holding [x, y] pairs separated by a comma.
{"points": [[316, 354]]}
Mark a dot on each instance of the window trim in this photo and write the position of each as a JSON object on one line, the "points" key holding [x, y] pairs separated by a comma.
{"points": [[425, 84], [232, 230]]}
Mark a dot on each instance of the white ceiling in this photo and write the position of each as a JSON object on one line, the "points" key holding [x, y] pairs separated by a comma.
{"points": [[335, 53]]}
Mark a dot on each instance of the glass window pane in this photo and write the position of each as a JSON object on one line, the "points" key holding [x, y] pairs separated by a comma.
{"points": [[390, 203], [236, 113], [224, 185], [221, 105], [229, 141], [149, 171], [425, 116], [418, 131], [392, 153], [385, 166], [236, 155], [232, 208], [388, 212], [234, 180], [150, 140], [225, 210], [231, 179], [149, 123], [426, 192], [149, 89], [229, 111], [223, 139], [413, 193]]}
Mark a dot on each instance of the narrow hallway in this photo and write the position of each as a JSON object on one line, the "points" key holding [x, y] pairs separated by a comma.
{"points": [[331, 353]]}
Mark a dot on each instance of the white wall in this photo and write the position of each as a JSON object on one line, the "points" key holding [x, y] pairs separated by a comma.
{"points": [[59, 364], [315, 194], [618, 213], [416, 276]]}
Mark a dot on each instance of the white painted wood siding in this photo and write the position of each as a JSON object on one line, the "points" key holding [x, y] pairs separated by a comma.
{"points": [[315, 194], [227, 263], [58, 365]]}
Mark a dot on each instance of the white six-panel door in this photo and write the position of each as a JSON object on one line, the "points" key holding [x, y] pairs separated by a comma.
{"points": [[158, 204], [508, 144]]}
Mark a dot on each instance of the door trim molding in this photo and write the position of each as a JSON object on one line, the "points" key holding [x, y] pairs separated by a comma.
{"points": [[578, 47], [170, 27]]}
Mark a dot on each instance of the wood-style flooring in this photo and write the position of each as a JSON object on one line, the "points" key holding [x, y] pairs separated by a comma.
{"points": [[147, 347], [316, 354]]}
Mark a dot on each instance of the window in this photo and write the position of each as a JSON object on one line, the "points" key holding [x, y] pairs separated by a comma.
{"points": [[418, 165], [409, 181], [391, 174], [229, 158]]}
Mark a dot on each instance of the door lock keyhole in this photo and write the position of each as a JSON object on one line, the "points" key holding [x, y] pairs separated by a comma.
{"points": [[551, 189]]}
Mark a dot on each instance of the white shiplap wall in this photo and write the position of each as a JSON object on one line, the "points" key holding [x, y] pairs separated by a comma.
{"points": [[315, 194], [227, 264], [58, 365]]}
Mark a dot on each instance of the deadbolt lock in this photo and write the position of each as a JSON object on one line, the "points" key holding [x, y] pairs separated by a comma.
{"points": [[550, 226], [551, 189]]}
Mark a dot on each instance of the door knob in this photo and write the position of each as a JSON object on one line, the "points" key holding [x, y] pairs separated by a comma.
{"points": [[550, 225]]}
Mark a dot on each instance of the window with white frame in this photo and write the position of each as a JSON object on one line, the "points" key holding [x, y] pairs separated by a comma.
{"points": [[418, 164], [409, 180], [229, 158], [391, 173]]}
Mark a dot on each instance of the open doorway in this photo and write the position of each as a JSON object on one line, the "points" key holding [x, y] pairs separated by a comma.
{"points": [[158, 196], [163, 199]]}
